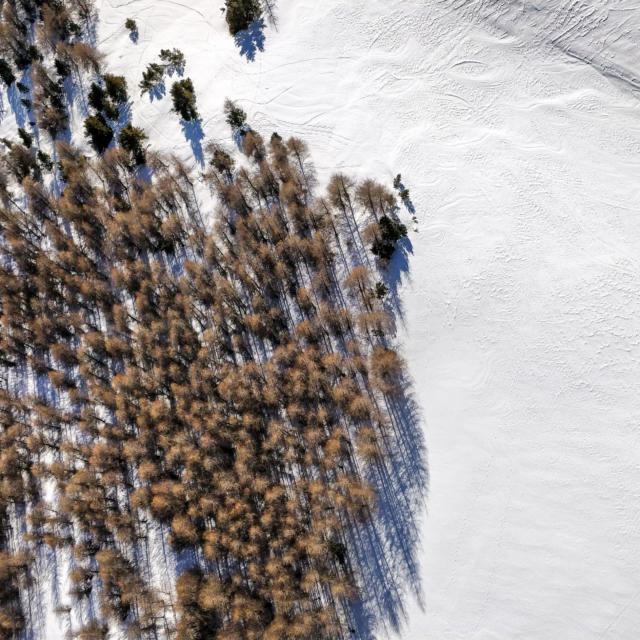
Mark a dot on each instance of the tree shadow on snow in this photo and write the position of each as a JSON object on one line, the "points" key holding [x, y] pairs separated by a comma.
{"points": [[396, 272], [406, 201], [385, 549], [194, 134], [124, 118], [19, 110], [251, 39], [158, 92]]}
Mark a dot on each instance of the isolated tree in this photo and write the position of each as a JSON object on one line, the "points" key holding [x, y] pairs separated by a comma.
{"points": [[56, 24], [221, 160], [241, 13], [235, 116], [184, 99], [152, 76], [82, 8], [173, 59], [63, 69], [93, 630], [86, 57]]}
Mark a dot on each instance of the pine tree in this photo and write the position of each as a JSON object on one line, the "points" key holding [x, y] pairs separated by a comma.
{"points": [[99, 133], [184, 99]]}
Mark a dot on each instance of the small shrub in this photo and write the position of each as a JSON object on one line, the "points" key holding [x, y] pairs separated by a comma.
{"points": [[184, 99], [397, 181], [131, 25], [381, 290], [99, 132], [404, 194]]}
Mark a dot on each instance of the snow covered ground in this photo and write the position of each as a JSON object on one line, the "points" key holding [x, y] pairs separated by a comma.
{"points": [[516, 126]]}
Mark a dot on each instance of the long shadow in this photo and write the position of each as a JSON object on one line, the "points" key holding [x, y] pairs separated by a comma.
{"points": [[406, 201], [385, 550], [90, 30], [193, 133], [19, 110], [158, 92], [251, 39], [124, 117], [179, 71], [393, 276]]}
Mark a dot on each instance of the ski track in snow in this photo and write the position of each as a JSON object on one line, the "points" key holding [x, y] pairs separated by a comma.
{"points": [[516, 126]]}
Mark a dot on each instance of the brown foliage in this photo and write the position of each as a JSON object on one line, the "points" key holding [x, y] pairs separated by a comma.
{"points": [[233, 401]]}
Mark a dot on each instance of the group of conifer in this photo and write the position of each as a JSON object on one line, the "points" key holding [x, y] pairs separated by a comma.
{"points": [[226, 385], [222, 386]]}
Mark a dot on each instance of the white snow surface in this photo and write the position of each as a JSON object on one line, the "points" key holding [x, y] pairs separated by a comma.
{"points": [[516, 127]]}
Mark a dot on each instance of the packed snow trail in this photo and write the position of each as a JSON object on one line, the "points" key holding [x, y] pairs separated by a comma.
{"points": [[516, 127]]}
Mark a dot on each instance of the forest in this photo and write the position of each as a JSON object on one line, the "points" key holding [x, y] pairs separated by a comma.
{"points": [[228, 384], [224, 377]]}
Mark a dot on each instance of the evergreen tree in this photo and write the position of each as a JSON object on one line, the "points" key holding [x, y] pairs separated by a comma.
{"points": [[131, 139], [96, 97], [116, 88], [99, 132], [27, 138], [241, 13], [173, 59], [6, 73], [236, 118], [184, 99], [151, 77]]}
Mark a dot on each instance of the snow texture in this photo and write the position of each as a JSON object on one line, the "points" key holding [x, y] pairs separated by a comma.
{"points": [[516, 127]]}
